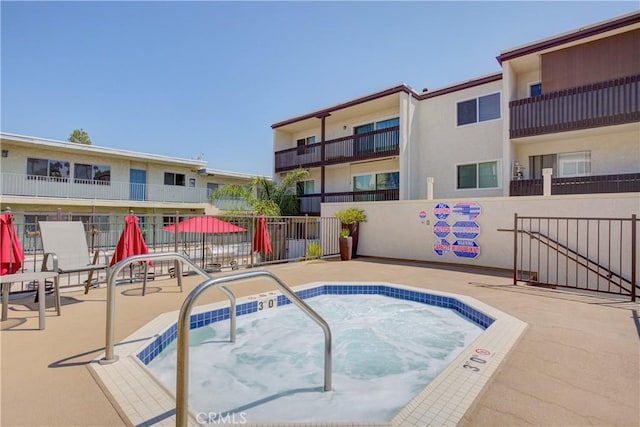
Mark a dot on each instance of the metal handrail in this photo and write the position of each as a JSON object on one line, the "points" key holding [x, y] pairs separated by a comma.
{"points": [[109, 356], [182, 370]]}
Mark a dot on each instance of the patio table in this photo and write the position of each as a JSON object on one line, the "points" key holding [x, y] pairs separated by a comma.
{"points": [[8, 279]]}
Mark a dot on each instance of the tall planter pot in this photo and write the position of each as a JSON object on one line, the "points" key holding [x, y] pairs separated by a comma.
{"points": [[353, 232], [346, 247]]}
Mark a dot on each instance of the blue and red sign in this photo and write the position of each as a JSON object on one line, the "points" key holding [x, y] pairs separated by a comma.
{"points": [[422, 214], [441, 229], [465, 249], [466, 210], [441, 210], [465, 229], [441, 247]]}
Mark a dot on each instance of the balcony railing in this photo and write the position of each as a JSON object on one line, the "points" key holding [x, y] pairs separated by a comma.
{"points": [[310, 203], [623, 183], [12, 184], [370, 145], [607, 103]]}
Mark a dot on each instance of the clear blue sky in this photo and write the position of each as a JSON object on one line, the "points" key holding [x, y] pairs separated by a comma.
{"points": [[184, 78]]}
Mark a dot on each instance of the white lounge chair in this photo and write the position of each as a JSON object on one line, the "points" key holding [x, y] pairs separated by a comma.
{"points": [[65, 242], [217, 257]]}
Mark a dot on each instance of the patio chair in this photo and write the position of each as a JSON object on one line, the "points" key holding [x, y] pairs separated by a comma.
{"points": [[218, 257], [65, 243]]}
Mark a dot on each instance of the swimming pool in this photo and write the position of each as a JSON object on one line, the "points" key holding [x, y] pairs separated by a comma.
{"points": [[385, 351], [142, 398]]}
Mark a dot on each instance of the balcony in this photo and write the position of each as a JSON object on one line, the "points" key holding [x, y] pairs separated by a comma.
{"points": [[609, 103], [23, 185], [310, 203], [623, 183], [366, 146]]}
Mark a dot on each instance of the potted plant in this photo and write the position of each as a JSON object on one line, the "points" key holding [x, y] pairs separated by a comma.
{"points": [[346, 245], [351, 219]]}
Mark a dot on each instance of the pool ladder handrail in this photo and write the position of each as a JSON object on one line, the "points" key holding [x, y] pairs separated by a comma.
{"points": [[182, 370], [109, 356]]}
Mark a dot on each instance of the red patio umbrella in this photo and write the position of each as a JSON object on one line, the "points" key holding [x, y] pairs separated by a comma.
{"points": [[131, 241], [11, 255], [261, 240], [203, 224]]}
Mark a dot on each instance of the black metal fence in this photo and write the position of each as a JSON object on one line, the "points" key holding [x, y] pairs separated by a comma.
{"points": [[614, 183], [594, 254], [292, 239]]}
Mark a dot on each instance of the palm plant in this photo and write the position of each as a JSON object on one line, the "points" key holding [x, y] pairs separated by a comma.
{"points": [[273, 198]]}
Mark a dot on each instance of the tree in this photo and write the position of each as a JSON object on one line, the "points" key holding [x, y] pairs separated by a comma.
{"points": [[79, 136], [273, 198]]}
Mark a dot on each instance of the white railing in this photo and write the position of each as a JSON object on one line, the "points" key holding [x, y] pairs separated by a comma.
{"points": [[13, 184]]}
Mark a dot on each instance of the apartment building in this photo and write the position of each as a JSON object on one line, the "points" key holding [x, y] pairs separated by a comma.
{"points": [[43, 175], [569, 105]]}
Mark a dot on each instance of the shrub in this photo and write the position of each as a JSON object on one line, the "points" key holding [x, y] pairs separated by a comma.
{"points": [[351, 215], [314, 251]]}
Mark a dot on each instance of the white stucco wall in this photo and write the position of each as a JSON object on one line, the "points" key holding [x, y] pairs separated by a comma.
{"points": [[444, 145], [395, 229]]}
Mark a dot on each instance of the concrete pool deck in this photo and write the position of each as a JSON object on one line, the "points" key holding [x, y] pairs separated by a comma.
{"points": [[578, 363]]}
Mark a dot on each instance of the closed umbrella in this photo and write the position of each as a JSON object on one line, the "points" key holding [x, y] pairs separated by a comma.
{"points": [[131, 241], [11, 255], [261, 240]]}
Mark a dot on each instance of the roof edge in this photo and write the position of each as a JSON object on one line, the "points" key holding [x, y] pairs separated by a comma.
{"points": [[100, 149], [326, 111], [463, 85], [580, 33]]}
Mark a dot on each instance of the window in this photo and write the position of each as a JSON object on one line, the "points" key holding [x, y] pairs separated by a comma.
{"points": [[537, 163], [211, 188], [535, 89], [171, 178], [306, 187], [304, 143], [477, 175], [379, 181], [479, 109], [91, 174], [47, 169], [574, 164], [192, 183], [564, 164], [385, 124]]}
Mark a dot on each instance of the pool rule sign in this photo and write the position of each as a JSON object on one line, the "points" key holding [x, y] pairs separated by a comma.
{"points": [[456, 229]]}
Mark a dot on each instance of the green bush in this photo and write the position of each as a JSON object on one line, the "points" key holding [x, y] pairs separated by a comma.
{"points": [[314, 251], [344, 233], [351, 215]]}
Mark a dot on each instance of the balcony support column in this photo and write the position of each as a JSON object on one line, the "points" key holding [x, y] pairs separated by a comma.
{"points": [[547, 173], [429, 188], [323, 129]]}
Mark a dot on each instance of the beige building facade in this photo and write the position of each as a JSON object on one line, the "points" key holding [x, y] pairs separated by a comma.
{"points": [[43, 175], [569, 104]]}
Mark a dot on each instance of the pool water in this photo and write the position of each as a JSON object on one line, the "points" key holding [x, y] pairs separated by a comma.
{"points": [[385, 351]]}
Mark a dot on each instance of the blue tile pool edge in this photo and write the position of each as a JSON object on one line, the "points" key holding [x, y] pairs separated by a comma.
{"points": [[198, 320]]}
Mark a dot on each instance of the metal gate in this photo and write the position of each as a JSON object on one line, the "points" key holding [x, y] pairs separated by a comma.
{"points": [[594, 254]]}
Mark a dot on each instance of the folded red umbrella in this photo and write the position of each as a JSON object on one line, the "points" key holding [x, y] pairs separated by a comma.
{"points": [[261, 240], [11, 255], [131, 241]]}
